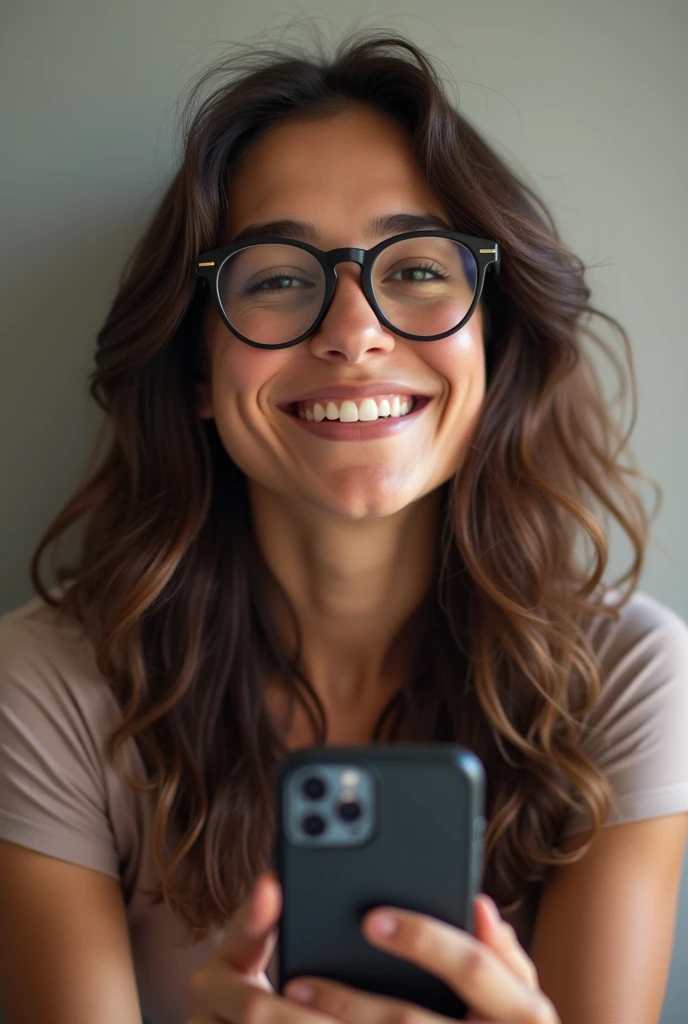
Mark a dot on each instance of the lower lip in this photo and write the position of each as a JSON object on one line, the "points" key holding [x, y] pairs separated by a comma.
{"points": [[361, 430]]}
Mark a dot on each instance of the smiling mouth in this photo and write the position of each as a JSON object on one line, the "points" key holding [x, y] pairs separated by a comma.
{"points": [[366, 410]]}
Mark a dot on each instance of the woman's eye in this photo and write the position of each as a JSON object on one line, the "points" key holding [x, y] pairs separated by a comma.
{"points": [[419, 274], [279, 282]]}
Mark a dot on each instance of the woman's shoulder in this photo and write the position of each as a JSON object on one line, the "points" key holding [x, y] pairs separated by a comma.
{"points": [[59, 792], [642, 704], [37, 629], [643, 629], [46, 656], [36, 614], [636, 729]]}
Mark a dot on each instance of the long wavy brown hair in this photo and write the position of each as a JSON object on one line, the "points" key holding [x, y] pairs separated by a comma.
{"points": [[170, 584]]}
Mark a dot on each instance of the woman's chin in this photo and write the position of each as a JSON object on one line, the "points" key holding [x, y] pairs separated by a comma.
{"points": [[362, 504]]}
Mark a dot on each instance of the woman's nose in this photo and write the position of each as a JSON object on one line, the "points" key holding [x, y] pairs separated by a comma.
{"points": [[350, 331]]}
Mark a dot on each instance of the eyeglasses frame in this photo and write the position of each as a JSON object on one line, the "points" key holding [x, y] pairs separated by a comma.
{"points": [[484, 251]]}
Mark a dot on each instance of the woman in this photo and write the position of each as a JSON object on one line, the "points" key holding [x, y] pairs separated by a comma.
{"points": [[341, 514]]}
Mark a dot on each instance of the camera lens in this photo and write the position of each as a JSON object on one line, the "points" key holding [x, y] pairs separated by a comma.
{"points": [[349, 810], [314, 788], [313, 824]]}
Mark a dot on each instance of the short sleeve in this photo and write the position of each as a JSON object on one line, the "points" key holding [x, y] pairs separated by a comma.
{"points": [[638, 731], [52, 786]]}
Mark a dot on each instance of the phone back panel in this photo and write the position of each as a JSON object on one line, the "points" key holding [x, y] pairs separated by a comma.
{"points": [[425, 854]]}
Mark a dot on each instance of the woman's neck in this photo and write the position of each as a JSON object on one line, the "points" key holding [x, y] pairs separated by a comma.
{"points": [[352, 586]]}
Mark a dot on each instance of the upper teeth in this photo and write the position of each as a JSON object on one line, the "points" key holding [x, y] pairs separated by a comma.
{"points": [[350, 412]]}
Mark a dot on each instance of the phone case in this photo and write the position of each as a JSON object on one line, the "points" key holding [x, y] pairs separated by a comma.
{"points": [[425, 855]]}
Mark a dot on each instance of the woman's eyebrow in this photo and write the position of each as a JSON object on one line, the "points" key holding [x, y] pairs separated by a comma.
{"points": [[378, 227]]}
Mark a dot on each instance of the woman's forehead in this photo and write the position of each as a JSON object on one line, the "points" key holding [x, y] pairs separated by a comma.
{"points": [[348, 168]]}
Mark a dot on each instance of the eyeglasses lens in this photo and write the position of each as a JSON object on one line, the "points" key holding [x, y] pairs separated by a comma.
{"points": [[273, 293]]}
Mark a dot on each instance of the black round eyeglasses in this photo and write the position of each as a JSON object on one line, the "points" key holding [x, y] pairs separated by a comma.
{"points": [[273, 292]]}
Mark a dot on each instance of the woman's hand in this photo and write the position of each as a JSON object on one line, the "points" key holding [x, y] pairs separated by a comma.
{"points": [[501, 938], [231, 988], [489, 971]]}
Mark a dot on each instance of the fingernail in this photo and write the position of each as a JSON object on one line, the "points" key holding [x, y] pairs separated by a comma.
{"points": [[300, 991], [384, 925]]}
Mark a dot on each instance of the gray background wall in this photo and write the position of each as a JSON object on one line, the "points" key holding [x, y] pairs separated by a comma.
{"points": [[587, 98]]}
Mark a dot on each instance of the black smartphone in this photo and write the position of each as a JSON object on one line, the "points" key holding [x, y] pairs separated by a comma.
{"points": [[358, 827]]}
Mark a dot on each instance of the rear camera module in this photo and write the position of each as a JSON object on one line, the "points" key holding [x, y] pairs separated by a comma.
{"points": [[349, 810], [313, 824], [314, 788]]}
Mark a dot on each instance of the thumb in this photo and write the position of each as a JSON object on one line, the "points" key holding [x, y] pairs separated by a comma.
{"points": [[251, 933]]}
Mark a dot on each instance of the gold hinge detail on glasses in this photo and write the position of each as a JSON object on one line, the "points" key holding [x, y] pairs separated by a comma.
{"points": [[211, 264], [488, 250]]}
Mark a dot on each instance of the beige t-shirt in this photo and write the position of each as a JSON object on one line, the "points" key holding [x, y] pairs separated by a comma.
{"points": [[59, 794]]}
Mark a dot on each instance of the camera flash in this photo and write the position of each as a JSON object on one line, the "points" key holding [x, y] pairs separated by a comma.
{"points": [[349, 778]]}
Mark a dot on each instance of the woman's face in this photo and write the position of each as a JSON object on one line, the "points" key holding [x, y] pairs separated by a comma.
{"points": [[339, 175]]}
